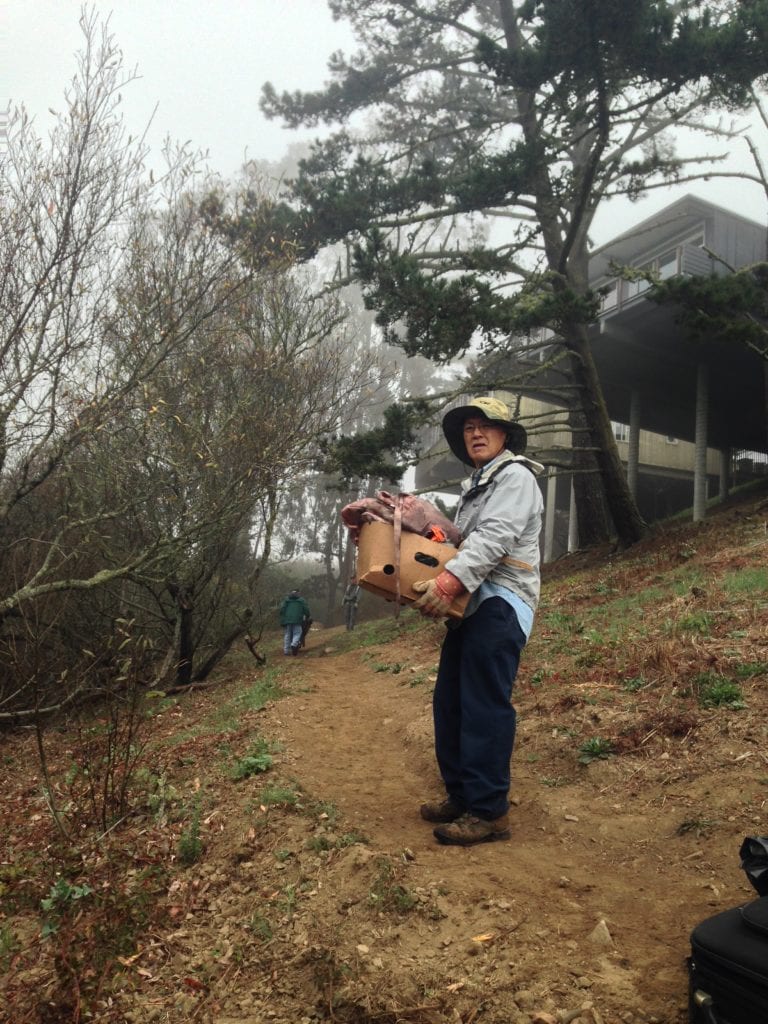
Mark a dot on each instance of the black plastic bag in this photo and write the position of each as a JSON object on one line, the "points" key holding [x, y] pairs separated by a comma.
{"points": [[754, 861]]}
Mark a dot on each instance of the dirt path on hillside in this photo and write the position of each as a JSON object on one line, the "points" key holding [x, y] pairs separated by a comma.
{"points": [[302, 887], [346, 739], [317, 894], [593, 898]]}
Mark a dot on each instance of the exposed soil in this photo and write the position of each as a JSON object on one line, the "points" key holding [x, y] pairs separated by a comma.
{"points": [[335, 903]]}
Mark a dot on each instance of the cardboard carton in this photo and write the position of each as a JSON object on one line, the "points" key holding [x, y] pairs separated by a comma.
{"points": [[420, 559]]}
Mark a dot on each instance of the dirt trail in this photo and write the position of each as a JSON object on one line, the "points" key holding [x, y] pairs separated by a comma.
{"points": [[595, 891], [319, 895]]}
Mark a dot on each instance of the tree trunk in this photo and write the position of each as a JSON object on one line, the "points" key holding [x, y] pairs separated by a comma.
{"points": [[628, 523], [331, 579], [595, 525], [184, 606], [212, 661]]}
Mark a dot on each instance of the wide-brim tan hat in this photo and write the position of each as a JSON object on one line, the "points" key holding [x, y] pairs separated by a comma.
{"points": [[493, 410]]}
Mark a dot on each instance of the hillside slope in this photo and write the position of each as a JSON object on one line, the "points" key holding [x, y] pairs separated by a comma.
{"points": [[319, 894]]}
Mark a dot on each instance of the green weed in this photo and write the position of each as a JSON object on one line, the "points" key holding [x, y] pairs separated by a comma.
{"points": [[190, 847], [381, 631], [540, 676], [593, 650], [603, 587], [387, 893], [562, 622], [746, 581], [631, 606], [266, 688], [325, 810], [161, 703], [90, 926], [554, 782], [716, 691], [750, 669], [288, 901], [59, 901], [257, 760], [272, 796], [419, 679], [634, 684], [595, 749], [686, 578], [228, 716], [251, 764], [9, 945], [161, 796], [697, 622], [260, 927], [323, 843]]}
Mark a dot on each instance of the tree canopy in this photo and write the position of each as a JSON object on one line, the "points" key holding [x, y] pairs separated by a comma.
{"points": [[732, 308], [484, 136], [158, 397]]}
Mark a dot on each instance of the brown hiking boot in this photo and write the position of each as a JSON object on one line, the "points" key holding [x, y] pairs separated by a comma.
{"points": [[468, 830], [440, 813]]}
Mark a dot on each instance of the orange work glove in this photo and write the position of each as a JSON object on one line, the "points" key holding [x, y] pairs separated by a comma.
{"points": [[438, 594]]}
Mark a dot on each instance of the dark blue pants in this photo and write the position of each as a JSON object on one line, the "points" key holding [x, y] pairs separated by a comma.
{"points": [[473, 714]]}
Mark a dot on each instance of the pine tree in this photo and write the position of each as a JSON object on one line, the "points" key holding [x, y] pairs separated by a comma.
{"points": [[488, 133]]}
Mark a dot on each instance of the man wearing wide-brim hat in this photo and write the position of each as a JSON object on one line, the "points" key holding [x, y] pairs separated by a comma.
{"points": [[499, 515]]}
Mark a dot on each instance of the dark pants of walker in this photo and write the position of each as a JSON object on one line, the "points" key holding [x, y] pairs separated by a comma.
{"points": [[473, 714]]}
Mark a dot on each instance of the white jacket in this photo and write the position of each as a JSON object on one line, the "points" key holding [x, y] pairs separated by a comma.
{"points": [[500, 515]]}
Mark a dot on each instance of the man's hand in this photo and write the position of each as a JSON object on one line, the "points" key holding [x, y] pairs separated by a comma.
{"points": [[438, 594]]}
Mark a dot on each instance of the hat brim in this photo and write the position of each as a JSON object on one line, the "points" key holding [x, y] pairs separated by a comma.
{"points": [[453, 429]]}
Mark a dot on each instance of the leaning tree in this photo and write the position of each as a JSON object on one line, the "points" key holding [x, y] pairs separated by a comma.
{"points": [[484, 136]]}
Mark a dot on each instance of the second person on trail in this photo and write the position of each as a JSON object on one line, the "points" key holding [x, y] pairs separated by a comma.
{"points": [[350, 602], [294, 614]]}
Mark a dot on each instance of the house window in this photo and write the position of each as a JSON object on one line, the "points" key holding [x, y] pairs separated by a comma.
{"points": [[611, 299], [667, 264], [620, 431], [633, 288]]}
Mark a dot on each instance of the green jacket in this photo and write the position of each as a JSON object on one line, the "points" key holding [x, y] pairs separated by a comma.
{"points": [[293, 611]]}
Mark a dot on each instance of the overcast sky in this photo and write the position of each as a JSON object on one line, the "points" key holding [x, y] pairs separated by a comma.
{"points": [[202, 64]]}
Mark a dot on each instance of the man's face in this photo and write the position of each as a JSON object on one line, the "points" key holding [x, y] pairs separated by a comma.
{"points": [[483, 440]]}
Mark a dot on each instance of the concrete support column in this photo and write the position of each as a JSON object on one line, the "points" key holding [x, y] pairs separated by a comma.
{"points": [[549, 515], [725, 473], [633, 453], [573, 522], [700, 450]]}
